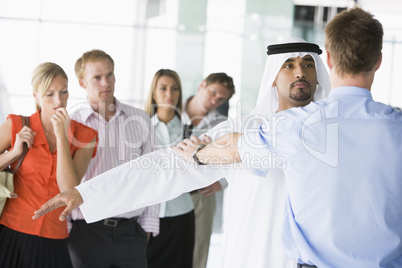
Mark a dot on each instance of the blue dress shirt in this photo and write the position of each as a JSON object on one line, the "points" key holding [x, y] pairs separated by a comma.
{"points": [[342, 158]]}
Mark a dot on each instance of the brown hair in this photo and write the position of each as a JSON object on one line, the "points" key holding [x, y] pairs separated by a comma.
{"points": [[354, 41], [94, 55], [223, 79], [150, 105], [42, 77]]}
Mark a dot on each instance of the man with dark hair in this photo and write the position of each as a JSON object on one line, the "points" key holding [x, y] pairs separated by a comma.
{"points": [[200, 115], [343, 158]]}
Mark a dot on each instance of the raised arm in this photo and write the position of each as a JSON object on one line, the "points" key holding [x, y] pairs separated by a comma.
{"points": [[25, 135], [70, 170], [147, 180], [222, 151]]}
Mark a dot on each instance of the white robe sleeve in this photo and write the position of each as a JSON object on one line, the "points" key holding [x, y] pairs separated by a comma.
{"points": [[147, 180], [153, 178]]}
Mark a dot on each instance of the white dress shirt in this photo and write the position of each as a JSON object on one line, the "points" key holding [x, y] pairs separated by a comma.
{"points": [[123, 138], [167, 135]]}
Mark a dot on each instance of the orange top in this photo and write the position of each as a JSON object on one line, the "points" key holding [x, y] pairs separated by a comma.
{"points": [[35, 180]]}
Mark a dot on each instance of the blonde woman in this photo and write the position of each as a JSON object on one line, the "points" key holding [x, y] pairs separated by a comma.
{"points": [[59, 152], [173, 247]]}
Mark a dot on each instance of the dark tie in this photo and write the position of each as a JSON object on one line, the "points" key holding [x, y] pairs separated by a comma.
{"points": [[187, 131]]}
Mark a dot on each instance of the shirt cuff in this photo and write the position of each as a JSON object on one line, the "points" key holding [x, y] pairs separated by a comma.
{"points": [[87, 213], [224, 183]]}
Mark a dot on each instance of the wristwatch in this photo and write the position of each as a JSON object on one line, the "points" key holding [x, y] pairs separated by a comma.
{"points": [[194, 155]]}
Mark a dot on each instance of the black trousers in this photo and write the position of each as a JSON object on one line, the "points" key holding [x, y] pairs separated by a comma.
{"points": [[30, 251], [99, 245], [174, 245]]}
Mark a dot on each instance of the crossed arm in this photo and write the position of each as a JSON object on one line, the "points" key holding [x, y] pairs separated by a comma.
{"points": [[222, 151]]}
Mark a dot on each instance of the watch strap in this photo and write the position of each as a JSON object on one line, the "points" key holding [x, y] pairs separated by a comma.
{"points": [[194, 155]]}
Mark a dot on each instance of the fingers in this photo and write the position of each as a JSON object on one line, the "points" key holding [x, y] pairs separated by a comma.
{"points": [[65, 213], [189, 142], [177, 149], [60, 115], [183, 150], [62, 110], [180, 146], [13, 195], [25, 135], [206, 138], [60, 120], [49, 206], [195, 140], [183, 145], [207, 191], [211, 189]]}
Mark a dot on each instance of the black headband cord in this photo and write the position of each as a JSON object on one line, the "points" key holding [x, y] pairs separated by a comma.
{"points": [[293, 47]]}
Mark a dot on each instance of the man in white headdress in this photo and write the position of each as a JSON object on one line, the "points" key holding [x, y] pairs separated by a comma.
{"points": [[253, 207], [256, 205]]}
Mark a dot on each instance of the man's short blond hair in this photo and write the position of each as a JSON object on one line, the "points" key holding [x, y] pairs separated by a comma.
{"points": [[94, 55]]}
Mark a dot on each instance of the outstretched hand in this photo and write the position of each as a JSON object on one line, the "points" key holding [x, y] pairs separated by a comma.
{"points": [[70, 198], [211, 189], [186, 148]]}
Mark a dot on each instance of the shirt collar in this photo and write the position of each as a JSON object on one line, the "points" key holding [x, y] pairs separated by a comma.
{"points": [[351, 91], [88, 111], [120, 108], [36, 125], [155, 120], [175, 122]]}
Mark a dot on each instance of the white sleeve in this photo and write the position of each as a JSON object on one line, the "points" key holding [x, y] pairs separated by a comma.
{"points": [[224, 183], [147, 180]]}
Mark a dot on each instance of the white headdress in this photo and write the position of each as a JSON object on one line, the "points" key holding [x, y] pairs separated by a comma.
{"points": [[267, 101]]}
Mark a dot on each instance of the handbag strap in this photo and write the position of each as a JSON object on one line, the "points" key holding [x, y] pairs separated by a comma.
{"points": [[25, 122]]}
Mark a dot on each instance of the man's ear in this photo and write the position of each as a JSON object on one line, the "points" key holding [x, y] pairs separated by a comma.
{"points": [[377, 66], [202, 85], [82, 83], [274, 84], [329, 61]]}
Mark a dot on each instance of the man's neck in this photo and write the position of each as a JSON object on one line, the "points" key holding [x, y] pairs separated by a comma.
{"points": [[363, 80], [105, 109], [164, 115], [284, 105], [194, 113]]}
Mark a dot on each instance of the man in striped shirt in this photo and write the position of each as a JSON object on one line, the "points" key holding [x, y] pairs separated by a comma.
{"points": [[124, 133]]}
